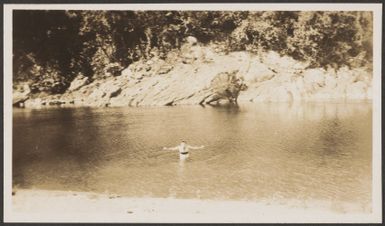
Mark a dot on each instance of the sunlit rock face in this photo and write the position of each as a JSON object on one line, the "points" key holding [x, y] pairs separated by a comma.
{"points": [[20, 95], [185, 77], [78, 82]]}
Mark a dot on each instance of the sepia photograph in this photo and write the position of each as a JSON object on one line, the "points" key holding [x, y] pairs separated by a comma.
{"points": [[192, 113]]}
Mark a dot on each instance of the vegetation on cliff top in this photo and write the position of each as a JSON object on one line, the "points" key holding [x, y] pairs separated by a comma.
{"points": [[52, 47]]}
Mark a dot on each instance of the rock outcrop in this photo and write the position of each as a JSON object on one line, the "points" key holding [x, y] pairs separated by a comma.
{"points": [[20, 95], [186, 77], [78, 82]]}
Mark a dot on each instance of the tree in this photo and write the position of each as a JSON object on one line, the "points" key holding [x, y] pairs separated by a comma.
{"points": [[226, 86], [332, 39], [51, 47], [45, 49]]}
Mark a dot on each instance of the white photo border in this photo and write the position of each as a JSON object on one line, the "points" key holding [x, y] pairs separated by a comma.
{"points": [[376, 8]]}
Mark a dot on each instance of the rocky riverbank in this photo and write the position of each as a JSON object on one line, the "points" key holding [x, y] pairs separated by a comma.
{"points": [[66, 206], [185, 78]]}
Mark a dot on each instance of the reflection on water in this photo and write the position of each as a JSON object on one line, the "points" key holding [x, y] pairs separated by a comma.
{"points": [[260, 151]]}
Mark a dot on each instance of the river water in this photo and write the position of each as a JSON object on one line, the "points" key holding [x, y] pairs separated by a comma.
{"points": [[316, 151]]}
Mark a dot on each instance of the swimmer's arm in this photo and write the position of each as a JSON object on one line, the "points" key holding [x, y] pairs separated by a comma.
{"points": [[195, 148], [171, 149]]}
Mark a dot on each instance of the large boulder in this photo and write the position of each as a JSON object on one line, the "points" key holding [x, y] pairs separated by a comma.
{"points": [[21, 95], [191, 40], [356, 90], [314, 76], [106, 90], [258, 72], [330, 81], [78, 82], [345, 76], [33, 103], [126, 72]]}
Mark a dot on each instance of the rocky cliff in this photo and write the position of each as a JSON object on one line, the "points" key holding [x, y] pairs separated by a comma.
{"points": [[185, 77]]}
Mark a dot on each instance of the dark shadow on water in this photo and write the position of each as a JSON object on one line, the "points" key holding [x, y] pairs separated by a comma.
{"points": [[335, 138], [230, 108]]}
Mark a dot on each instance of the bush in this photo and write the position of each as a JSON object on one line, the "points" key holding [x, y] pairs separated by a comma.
{"points": [[65, 43], [227, 86]]}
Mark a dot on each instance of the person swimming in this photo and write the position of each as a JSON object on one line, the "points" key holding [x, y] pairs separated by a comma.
{"points": [[183, 149]]}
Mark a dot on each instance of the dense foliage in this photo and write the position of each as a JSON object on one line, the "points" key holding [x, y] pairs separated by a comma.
{"points": [[52, 47]]}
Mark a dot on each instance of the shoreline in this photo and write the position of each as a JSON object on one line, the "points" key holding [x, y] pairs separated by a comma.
{"points": [[258, 78], [32, 205], [225, 105]]}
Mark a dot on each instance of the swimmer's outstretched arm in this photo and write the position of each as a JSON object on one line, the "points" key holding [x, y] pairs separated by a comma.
{"points": [[171, 149], [195, 148]]}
